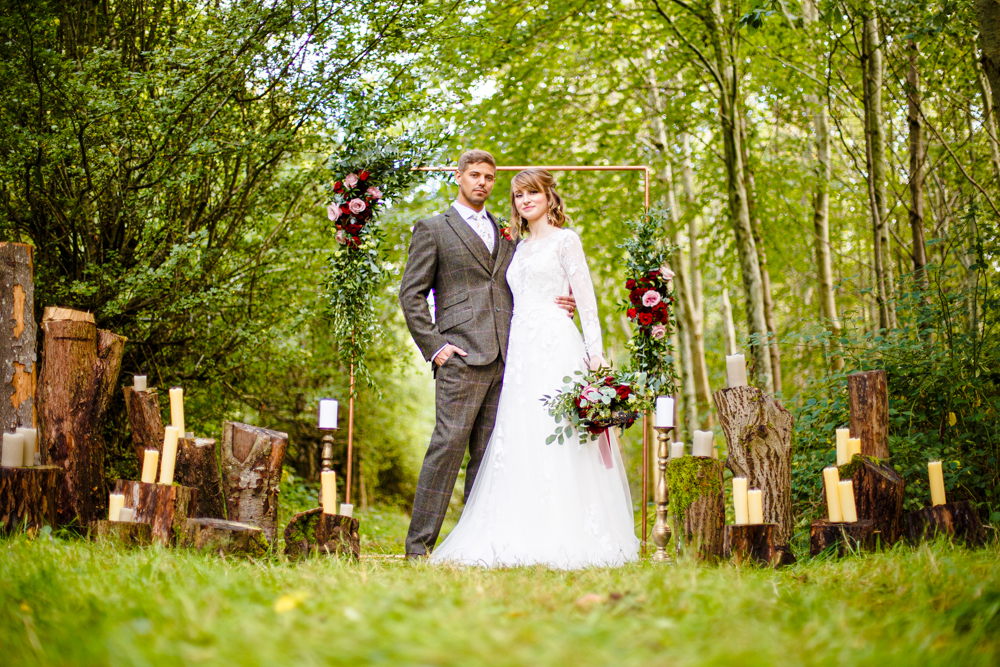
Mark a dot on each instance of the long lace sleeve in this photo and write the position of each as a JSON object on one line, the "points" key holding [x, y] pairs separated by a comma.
{"points": [[574, 262]]}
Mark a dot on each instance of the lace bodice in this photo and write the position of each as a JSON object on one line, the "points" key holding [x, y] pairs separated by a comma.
{"points": [[543, 269]]}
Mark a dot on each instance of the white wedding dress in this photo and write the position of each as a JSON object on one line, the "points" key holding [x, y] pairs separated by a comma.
{"points": [[532, 503]]}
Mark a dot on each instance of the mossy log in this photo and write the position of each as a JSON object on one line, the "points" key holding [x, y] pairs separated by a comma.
{"points": [[251, 474], [222, 537], [868, 396], [145, 419], [758, 433], [80, 365], [958, 521], [878, 495], [847, 537], [18, 332], [313, 532], [29, 497], [756, 545], [126, 533], [697, 505], [198, 467], [164, 507]]}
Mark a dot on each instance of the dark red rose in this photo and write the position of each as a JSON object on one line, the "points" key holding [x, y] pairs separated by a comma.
{"points": [[353, 229], [631, 313], [636, 296], [338, 187], [630, 284], [344, 210], [645, 319], [595, 429], [609, 381], [654, 274], [363, 175], [354, 242], [624, 391]]}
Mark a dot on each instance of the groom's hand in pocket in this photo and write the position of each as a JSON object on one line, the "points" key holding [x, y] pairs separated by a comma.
{"points": [[446, 352], [567, 303]]}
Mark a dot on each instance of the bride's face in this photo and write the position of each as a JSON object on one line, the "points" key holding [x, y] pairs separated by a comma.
{"points": [[531, 204]]}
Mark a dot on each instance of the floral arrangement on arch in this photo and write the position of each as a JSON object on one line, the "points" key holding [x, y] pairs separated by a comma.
{"points": [[355, 199], [650, 296]]}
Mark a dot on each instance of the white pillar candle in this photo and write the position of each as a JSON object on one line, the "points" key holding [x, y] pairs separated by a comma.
{"points": [[843, 435], [177, 410], [328, 413], [126, 514], [831, 480], [30, 438], [328, 479], [13, 450], [115, 505], [346, 510], [704, 443], [847, 507], [740, 501], [139, 382], [169, 455], [853, 447], [664, 412], [149, 460], [676, 450], [755, 507], [736, 371], [936, 476]]}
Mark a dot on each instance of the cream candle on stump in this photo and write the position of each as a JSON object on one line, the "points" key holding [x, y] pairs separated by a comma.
{"points": [[755, 507], [704, 443], [736, 371], [831, 480], [328, 479], [847, 507], [13, 450], [169, 454], [664, 412], [676, 450], [177, 410], [139, 383], [149, 460], [843, 435], [346, 510], [30, 438], [115, 504], [853, 447], [936, 476], [740, 502]]}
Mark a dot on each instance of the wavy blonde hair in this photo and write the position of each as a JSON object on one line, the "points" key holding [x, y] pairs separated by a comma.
{"points": [[538, 180]]}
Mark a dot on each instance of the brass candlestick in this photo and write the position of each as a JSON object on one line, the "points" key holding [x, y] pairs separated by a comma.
{"points": [[661, 531], [328, 451]]}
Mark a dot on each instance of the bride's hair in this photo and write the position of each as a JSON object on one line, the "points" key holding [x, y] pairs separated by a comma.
{"points": [[538, 180]]}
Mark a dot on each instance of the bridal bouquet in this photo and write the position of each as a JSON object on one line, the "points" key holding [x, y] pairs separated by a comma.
{"points": [[596, 401]]}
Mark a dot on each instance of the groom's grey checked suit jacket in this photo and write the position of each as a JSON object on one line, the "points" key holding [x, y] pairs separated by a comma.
{"points": [[473, 307]]}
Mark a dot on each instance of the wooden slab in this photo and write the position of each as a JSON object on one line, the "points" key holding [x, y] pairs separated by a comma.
{"points": [[222, 537], [756, 545], [164, 507], [125, 533], [848, 538], [313, 532], [957, 521], [29, 497]]}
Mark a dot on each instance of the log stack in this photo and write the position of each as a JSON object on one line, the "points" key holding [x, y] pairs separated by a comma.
{"points": [[165, 507], [878, 496], [251, 459], [697, 505], [198, 467]]}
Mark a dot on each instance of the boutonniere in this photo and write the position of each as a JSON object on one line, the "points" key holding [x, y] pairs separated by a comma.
{"points": [[504, 226]]}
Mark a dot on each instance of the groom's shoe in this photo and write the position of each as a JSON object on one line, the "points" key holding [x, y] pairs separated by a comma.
{"points": [[416, 556]]}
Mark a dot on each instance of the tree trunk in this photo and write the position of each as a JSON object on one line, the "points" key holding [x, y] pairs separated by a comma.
{"points": [[989, 120], [198, 467], [868, 395], [226, 538], [957, 521], [919, 254], [164, 507], [79, 370], [145, 419], [849, 538], [699, 525], [988, 13], [251, 474], [122, 533], [313, 532], [728, 326], [18, 332], [758, 433], [878, 496], [28, 497], [756, 545]]}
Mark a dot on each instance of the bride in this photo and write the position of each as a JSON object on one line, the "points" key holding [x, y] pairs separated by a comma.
{"points": [[532, 503]]}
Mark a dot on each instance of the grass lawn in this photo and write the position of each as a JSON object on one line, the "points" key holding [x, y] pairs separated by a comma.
{"points": [[67, 601]]}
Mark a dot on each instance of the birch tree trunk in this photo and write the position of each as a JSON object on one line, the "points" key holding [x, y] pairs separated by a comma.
{"points": [[989, 121], [919, 253], [728, 326], [988, 13]]}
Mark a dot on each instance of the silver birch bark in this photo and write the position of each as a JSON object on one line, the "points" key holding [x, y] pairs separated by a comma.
{"points": [[915, 121], [988, 13], [989, 120]]}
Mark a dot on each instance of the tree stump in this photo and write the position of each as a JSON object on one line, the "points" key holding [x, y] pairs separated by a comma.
{"points": [[848, 537], [164, 507], [956, 520], [868, 394], [313, 532], [198, 467], [80, 365], [222, 537], [145, 419], [17, 337], [251, 474], [126, 533], [878, 495], [697, 505], [28, 497], [756, 545], [759, 438]]}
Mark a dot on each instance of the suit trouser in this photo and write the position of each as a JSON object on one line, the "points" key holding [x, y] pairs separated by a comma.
{"points": [[466, 399]]}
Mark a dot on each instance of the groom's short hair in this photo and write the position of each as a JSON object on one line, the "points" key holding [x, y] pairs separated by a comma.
{"points": [[475, 157]]}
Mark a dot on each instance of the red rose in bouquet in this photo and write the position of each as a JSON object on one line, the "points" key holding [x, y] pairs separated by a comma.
{"points": [[363, 175], [631, 313], [645, 319]]}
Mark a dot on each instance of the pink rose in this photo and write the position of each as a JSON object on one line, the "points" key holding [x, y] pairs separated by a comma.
{"points": [[659, 331], [340, 237], [356, 206], [374, 192], [333, 212], [350, 180], [650, 298], [591, 393]]}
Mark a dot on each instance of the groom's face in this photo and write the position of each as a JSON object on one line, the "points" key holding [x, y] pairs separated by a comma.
{"points": [[476, 182]]}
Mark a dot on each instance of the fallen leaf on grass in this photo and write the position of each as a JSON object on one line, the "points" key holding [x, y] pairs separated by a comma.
{"points": [[589, 600], [289, 601]]}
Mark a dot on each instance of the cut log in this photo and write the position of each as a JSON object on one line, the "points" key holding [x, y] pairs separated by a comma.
{"points": [[251, 474], [164, 507], [198, 467], [848, 538], [125, 533], [868, 394], [958, 521], [17, 337], [28, 497], [313, 532], [878, 495], [758, 434], [145, 419], [80, 365], [756, 545], [697, 505], [222, 537]]}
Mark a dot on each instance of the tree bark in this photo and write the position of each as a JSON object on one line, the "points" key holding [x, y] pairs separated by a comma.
{"points": [[198, 467], [989, 119], [223, 537], [80, 365], [125, 533], [28, 497], [146, 420], [919, 253], [758, 433], [251, 474], [18, 332], [878, 496], [868, 396], [988, 13], [957, 521], [164, 507], [313, 532], [701, 524], [849, 538], [728, 326], [756, 545]]}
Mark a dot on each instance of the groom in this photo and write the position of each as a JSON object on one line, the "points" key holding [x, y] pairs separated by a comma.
{"points": [[461, 256]]}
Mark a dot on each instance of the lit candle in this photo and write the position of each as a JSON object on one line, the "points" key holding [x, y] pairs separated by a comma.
{"points": [[853, 447], [139, 382], [755, 507], [177, 413], [704, 443], [328, 478], [115, 505], [30, 438], [664, 412], [740, 500], [346, 510], [936, 476], [843, 435], [169, 454], [847, 507], [149, 461], [126, 514], [831, 480], [736, 370], [676, 450], [13, 450], [327, 413]]}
